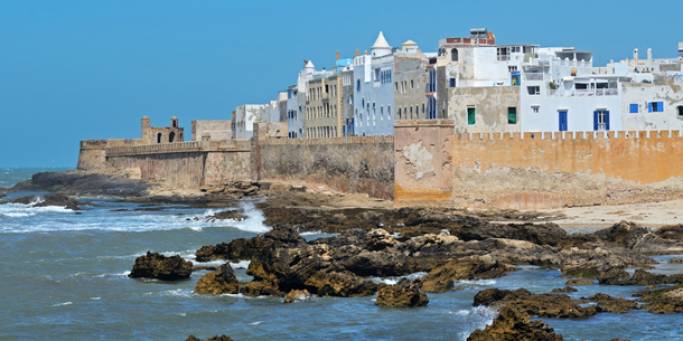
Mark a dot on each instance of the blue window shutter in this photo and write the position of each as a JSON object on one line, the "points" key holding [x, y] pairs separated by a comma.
{"points": [[660, 106], [607, 120], [634, 108], [595, 120], [649, 107]]}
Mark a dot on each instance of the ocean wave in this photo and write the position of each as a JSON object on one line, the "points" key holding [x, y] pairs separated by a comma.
{"points": [[254, 221], [12, 210], [395, 280], [476, 282], [118, 274], [475, 318], [62, 304]]}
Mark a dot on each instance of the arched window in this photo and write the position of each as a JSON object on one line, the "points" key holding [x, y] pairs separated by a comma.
{"points": [[171, 137], [159, 138], [454, 55]]}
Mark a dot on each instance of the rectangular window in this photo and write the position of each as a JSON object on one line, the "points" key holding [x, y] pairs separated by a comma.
{"points": [[512, 115], [655, 107], [633, 108], [451, 82], [534, 90], [471, 115]]}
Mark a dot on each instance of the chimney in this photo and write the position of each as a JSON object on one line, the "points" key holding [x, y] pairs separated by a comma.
{"points": [[337, 55], [356, 53]]}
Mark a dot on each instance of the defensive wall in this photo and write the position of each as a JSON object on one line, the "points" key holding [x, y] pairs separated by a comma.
{"points": [[425, 162], [357, 164], [534, 170]]}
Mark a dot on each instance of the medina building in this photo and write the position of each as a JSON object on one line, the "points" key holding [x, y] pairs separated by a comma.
{"points": [[390, 85]]}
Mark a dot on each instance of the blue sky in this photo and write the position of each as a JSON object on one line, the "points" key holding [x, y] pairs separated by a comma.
{"points": [[72, 70]]}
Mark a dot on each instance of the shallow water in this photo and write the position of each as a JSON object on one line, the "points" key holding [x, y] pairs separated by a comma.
{"points": [[64, 277]]}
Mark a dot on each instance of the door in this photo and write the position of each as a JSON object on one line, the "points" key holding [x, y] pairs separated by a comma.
{"points": [[563, 120]]}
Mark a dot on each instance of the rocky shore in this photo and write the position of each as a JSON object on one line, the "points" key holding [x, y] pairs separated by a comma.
{"points": [[428, 250]]}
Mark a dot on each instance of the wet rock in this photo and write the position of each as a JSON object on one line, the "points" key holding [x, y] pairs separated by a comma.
{"points": [[221, 281], [663, 301], [259, 288], [625, 234], [579, 281], [476, 267], [541, 234], [82, 184], [155, 265], [297, 295], [639, 277], [379, 239], [564, 290], [58, 200], [213, 338], [404, 294], [237, 215], [339, 283], [515, 324], [676, 260], [609, 304], [240, 249], [543, 305]]}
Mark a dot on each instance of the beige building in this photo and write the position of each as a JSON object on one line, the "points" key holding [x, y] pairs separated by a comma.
{"points": [[324, 109], [410, 82], [485, 109], [154, 135]]}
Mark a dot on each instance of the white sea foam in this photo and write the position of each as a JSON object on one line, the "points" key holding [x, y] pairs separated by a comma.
{"points": [[243, 264], [477, 282], [63, 304], [256, 323], [11, 210], [395, 280], [95, 298], [254, 221], [118, 274], [476, 318], [177, 293]]}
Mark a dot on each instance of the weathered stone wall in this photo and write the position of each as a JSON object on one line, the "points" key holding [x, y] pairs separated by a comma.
{"points": [[211, 130], [179, 170], [352, 164], [93, 156], [528, 170]]}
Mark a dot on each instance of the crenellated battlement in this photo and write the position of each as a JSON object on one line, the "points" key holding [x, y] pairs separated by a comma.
{"points": [[576, 135], [331, 141]]}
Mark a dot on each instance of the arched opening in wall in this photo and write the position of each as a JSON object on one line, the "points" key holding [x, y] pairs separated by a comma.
{"points": [[454, 55], [171, 137], [174, 123], [159, 138], [679, 111]]}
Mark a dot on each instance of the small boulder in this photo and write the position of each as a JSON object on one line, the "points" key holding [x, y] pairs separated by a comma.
{"points": [[339, 283], [664, 301], [579, 281], [609, 304], [297, 295], [404, 294], [155, 265], [515, 324], [441, 277], [221, 281], [213, 338]]}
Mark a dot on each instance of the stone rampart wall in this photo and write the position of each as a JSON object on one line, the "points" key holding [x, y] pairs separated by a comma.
{"points": [[351, 164]]}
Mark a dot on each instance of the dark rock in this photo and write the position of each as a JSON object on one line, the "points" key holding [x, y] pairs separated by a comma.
{"points": [[543, 305], [404, 294], [213, 338], [236, 215], [663, 301], [240, 249], [297, 295], [259, 288], [541, 234], [221, 281], [624, 234], [81, 183], [639, 277], [580, 281], [515, 324], [58, 200], [564, 290], [155, 265], [609, 304], [676, 260], [476, 267], [339, 283]]}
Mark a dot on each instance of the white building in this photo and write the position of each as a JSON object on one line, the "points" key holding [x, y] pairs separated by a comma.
{"points": [[374, 90]]}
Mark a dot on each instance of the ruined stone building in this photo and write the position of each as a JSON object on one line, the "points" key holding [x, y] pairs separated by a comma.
{"points": [[156, 135]]}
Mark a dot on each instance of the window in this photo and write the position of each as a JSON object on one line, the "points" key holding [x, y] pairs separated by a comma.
{"points": [[536, 108], [633, 108], [534, 90], [412, 84], [451, 82], [358, 85], [679, 111], [655, 107], [471, 115], [454, 55], [512, 115]]}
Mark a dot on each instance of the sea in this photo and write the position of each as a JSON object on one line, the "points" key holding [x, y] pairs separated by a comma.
{"points": [[63, 276]]}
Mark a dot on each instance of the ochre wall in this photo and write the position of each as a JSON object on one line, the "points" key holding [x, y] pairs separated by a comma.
{"points": [[181, 170], [536, 170], [352, 164]]}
